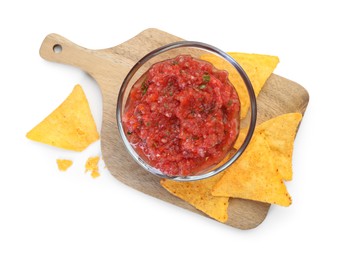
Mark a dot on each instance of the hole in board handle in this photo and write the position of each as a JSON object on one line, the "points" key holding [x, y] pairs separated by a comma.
{"points": [[57, 48]]}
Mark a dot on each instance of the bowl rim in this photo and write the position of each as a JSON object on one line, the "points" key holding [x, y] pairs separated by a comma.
{"points": [[162, 49]]}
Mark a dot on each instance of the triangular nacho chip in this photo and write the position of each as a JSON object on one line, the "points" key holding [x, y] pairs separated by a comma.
{"points": [[280, 133], [71, 126], [198, 194], [253, 176], [257, 67]]}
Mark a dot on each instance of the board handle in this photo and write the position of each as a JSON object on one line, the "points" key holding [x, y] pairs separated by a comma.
{"points": [[59, 49]]}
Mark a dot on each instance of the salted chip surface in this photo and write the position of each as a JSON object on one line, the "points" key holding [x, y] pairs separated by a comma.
{"points": [[258, 68], [198, 194], [280, 133], [64, 164], [70, 126], [253, 176]]}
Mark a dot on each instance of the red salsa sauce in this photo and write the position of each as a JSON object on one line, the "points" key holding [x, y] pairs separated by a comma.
{"points": [[182, 115]]}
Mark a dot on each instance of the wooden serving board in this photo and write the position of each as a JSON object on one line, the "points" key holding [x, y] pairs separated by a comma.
{"points": [[110, 66]]}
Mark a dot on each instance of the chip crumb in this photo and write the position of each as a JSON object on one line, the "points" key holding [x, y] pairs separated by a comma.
{"points": [[95, 174], [64, 164], [92, 166]]}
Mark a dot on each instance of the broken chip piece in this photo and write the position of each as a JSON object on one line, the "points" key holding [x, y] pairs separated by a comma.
{"points": [[64, 164], [92, 166]]}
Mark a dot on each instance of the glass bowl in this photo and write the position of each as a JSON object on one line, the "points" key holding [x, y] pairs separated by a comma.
{"points": [[172, 50]]}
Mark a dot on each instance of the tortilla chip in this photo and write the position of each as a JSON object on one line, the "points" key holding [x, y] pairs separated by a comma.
{"points": [[253, 176], [71, 126], [257, 67], [64, 164], [198, 194], [92, 166], [280, 133]]}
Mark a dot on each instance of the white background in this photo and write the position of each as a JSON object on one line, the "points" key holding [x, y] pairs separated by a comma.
{"points": [[48, 214]]}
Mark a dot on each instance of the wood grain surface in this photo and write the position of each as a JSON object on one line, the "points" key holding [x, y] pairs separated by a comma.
{"points": [[110, 66]]}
